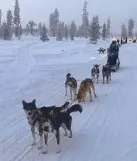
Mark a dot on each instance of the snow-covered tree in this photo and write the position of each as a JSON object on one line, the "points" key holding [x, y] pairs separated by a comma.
{"points": [[85, 21], [130, 28], [73, 30], [94, 29], [59, 34], [56, 19], [123, 32], [27, 29], [21, 29], [80, 31], [31, 25], [4, 31], [63, 29], [17, 19], [9, 18], [40, 28], [51, 25], [66, 31], [43, 36], [9, 24], [104, 31], [108, 28], [53, 22]]}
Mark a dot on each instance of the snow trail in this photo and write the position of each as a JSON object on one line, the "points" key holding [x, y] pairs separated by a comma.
{"points": [[106, 130]]}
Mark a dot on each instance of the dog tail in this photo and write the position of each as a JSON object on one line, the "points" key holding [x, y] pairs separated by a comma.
{"points": [[63, 107], [75, 108]]}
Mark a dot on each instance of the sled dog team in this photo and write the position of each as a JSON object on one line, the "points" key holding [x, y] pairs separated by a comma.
{"points": [[49, 119]]}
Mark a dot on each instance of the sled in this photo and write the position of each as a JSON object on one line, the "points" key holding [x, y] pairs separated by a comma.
{"points": [[114, 62]]}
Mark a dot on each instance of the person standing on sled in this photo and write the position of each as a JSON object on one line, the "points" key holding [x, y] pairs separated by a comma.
{"points": [[113, 53]]}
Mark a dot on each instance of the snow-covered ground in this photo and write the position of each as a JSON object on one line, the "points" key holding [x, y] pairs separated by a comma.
{"points": [[107, 128]]}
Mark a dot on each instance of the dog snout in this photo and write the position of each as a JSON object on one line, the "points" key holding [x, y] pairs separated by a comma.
{"points": [[29, 113], [46, 128]]}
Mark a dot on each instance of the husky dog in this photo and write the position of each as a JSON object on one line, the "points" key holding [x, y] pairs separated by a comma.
{"points": [[34, 116], [49, 119], [56, 120], [85, 86], [72, 83], [101, 50], [106, 72], [95, 73]]}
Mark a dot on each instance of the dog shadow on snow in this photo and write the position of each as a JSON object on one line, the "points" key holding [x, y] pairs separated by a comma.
{"points": [[75, 146]]}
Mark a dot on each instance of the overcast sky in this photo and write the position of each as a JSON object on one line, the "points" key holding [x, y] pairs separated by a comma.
{"points": [[119, 10]]}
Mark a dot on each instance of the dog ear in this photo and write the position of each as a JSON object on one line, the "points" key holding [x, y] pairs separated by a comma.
{"points": [[34, 101], [24, 103]]}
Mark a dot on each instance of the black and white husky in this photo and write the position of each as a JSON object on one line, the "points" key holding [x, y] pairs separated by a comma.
{"points": [[71, 82], [49, 119], [106, 72], [95, 73]]}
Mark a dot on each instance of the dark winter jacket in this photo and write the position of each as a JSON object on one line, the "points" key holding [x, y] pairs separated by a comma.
{"points": [[114, 47]]}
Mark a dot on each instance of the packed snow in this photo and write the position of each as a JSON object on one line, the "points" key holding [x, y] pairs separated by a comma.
{"points": [[107, 128]]}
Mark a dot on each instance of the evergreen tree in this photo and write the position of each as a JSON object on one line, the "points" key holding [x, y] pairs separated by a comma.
{"points": [[17, 19], [123, 32], [9, 24], [31, 26], [94, 30], [9, 18], [56, 19], [53, 22], [20, 29], [81, 31], [44, 36], [63, 29], [104, 31], [73, 30], [27, 30], [40, 28], [85, 21], [66, 32], [108, 28], [4, 31], [130, 28], [59, 32]]}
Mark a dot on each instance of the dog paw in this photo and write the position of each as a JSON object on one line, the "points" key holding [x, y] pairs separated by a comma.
{"points": [[44, 152], [70, 137], [65, 134]]}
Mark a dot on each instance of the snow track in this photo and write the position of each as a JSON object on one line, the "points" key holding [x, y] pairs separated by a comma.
{"points": [[107, 128]]}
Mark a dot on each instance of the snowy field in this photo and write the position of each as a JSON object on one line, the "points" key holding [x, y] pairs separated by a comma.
{"points": [[107, 128]]}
